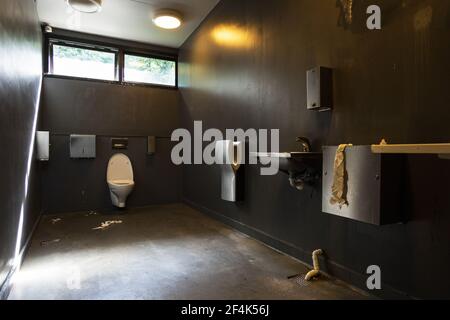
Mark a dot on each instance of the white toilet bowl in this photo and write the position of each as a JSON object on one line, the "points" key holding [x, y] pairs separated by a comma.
{"points": [[120, 179]]}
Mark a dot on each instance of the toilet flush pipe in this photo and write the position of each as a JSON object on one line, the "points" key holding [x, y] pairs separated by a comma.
{"points": [[316, 272]]}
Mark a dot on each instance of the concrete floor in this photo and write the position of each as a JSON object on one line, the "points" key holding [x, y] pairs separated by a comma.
{"points": [[160, 252]]}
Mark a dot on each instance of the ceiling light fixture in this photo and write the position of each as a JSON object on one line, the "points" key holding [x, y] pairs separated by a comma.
{"points": [[85, 6], [167, 19]]}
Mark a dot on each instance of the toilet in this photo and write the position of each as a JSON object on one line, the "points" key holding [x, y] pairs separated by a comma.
{"points": [[120, 179]]}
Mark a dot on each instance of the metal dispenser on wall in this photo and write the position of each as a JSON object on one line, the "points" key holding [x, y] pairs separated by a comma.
{"points": [[319, 89], [373, 185], [229, 155], [43, 145], [151, 145], [82, 146]]}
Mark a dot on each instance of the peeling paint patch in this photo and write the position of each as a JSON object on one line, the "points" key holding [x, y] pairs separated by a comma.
{"points": [[423, 18]]}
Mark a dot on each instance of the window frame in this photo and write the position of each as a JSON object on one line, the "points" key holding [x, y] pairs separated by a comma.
{"points": [[120, 52], [151, 56], [78, 45]]}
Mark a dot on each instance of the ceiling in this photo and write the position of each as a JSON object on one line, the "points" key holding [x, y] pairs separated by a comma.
{"points": [[128, 19]]}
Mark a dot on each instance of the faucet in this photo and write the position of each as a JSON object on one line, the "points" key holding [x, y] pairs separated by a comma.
{"points": [[305, 144]]}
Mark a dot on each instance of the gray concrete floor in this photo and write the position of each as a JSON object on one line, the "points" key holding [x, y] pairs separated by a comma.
{"points": [[160, 252]]}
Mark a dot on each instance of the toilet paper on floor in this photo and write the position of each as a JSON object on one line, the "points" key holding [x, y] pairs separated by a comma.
{"points": [[107, 224]]}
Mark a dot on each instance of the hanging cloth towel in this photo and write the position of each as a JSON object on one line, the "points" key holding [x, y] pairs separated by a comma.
{"points": [[339, 188]]}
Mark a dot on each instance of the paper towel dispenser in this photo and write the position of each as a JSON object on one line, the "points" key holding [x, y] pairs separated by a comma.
{"points": [[42, 145], [82, 146]]}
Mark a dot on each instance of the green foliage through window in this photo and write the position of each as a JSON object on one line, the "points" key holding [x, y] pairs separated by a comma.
{"points": [[84, 63], [82, 54], [149, 70], [90, 63]]}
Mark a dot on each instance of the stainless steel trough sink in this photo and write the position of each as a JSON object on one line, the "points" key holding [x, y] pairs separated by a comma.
{"points": [[303, 168]]}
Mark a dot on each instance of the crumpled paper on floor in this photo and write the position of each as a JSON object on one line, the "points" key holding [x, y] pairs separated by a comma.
{"points": [[107, 224], [56, 220], [47, 242]]}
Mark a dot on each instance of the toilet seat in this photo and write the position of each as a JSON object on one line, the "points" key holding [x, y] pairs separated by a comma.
{"points": [[121, 182]]}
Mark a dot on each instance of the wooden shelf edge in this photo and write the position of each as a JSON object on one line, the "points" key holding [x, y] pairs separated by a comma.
{"points": [[434, 148]]}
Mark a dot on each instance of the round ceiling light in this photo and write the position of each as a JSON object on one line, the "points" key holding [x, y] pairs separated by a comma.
{"points": [[85, 6], [167, 19]]}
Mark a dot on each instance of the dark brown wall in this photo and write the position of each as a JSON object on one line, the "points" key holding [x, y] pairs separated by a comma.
{"points": [[72, 106], [388, 84], [20, 78]]}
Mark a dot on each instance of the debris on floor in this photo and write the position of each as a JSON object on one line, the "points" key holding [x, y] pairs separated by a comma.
{"points": [[107, 224], [91, 213], [47, 242], [56, 220], [313, 274]]}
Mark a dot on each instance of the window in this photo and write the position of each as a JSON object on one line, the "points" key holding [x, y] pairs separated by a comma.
{"points": [[110, 62], [142, 69], [81, 62]]}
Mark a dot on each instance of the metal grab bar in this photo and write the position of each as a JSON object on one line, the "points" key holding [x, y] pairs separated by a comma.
{"points": [[112, 135]]}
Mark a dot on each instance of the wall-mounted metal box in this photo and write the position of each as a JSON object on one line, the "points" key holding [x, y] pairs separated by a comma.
{"points": [[319, 91], [82, 146], [151, 145], [42, 145], [375, 186]]}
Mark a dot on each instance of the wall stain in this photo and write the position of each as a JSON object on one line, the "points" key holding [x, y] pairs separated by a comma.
{"points": [[423, 18]]}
